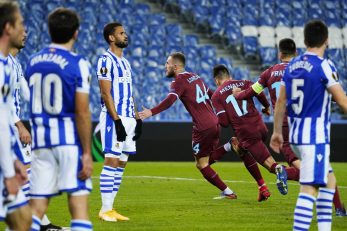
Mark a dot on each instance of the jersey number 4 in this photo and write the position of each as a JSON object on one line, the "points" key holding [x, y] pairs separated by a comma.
{"points": [[201, 96], [46, 93]]}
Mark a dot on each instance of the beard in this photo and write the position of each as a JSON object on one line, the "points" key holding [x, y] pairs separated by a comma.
{"points": [[121, 44], [170, 74]]}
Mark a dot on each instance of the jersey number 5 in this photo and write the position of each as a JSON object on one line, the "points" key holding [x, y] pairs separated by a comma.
{"points": [[297, 94], [47, 93]]}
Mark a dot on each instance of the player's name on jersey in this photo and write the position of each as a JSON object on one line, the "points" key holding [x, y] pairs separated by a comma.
{"points": [[277, 73], [193, 78], [55, 58], [301, 64], [231, 86]]}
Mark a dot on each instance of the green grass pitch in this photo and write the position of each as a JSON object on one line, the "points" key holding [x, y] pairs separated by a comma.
{"points": [[174, 196]]}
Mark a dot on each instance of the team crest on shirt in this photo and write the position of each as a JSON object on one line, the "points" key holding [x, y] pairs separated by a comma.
{"points": [[117, 145], [335, 76], [103, 70]]}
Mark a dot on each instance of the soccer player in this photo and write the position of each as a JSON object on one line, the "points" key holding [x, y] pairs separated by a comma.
{"points": [[13, 205], [247, 123], [22, 146], [192, 91], [308, 84], [271, 79], [119, 121], [60, 122]]}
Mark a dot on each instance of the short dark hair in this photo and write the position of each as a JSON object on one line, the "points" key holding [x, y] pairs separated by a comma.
{"points": [[7, 14], [315, 33], [109, 29], [220, 71], [62, 24], [179, 56], [287, 46]]}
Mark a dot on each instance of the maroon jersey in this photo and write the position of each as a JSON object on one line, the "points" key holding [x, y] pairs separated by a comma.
{"points": [[193, 93], [271, 78], [242, 115]]}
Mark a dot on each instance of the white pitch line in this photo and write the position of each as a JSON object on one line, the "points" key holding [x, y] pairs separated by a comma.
{"points": [[194, 179]]}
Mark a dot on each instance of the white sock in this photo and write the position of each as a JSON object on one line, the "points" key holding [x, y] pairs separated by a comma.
{"points": [[324, 208], [81, 225], [35, 226], [118, 176], [303, 211], [228, 191], [106, 187], [45, 220], [227, 147]]}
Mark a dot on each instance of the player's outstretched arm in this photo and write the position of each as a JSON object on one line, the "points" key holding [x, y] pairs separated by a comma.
{"points": [[165, 104], [277, 138], [83, 123], [339, 96]]}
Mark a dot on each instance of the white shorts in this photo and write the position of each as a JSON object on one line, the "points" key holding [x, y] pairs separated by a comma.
{"points": [[7, 208], [315, 164], [22, 152], [55, 170], [110, 146]]}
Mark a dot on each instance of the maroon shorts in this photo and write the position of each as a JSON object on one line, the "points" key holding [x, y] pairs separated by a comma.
{"points": [[288, 153], [205, 142], [249, 133]]}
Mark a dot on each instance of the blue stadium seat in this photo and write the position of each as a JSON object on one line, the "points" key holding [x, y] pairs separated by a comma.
{"points": [[241, 73], [173, 32], [191, 40], [250, 46], [268, 56]]}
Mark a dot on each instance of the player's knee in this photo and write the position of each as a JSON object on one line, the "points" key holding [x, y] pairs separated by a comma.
{"points": [[22, 219], [122, 164], [112, 162]]}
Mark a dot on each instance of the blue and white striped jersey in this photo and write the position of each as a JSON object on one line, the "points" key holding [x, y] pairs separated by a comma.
{"points": [[18, 77], [6, 168], [118, 71], [307, 79], [55, 75]]}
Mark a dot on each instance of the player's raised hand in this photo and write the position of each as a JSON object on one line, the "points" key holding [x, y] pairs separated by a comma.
{"points": [[87, 169], [236, 91], [120, 130], [145, 113], [276, 142], [266, 111]]}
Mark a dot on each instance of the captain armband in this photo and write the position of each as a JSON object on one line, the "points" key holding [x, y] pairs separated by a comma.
{"points": [[257, 88]]}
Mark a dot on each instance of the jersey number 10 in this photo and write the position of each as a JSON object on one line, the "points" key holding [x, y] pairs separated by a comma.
{"points": [[41, 94]]}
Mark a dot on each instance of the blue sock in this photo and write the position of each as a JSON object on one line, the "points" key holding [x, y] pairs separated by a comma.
{"points": [[303, 211]]}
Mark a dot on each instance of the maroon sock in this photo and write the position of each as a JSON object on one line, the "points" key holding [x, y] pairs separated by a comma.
{"points": [[252, 167], [293, 173], [211, 176], [273, 167], [217, 154], [337, 200]]}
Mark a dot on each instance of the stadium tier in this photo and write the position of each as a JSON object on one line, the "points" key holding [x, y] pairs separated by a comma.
{"points": [[252, 26]]}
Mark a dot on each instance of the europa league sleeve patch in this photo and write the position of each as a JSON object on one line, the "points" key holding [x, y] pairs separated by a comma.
{"points": [[335, 76], [103, 71]]}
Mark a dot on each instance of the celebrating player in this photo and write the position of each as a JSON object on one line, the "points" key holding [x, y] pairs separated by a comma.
{"points": [[247, 123], [61, 126], [193, 93], [119, 122], [271, 79], [308, 84]]}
